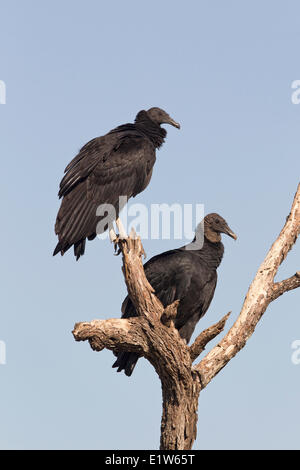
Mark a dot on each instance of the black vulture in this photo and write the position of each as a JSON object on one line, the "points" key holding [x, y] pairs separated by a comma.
{"points": [[117, 164], [184, 274]]}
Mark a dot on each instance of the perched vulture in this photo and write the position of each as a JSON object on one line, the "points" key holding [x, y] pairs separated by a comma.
{"points": [[184, 274], [119, 163]]}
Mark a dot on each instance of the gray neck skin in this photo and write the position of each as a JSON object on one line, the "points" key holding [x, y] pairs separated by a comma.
{"points": [[211, 252], [152, 130]]}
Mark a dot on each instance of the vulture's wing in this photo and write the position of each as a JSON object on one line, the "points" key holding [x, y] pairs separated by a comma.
{"points": [[105, 168], [170, 276], [188, 319]]}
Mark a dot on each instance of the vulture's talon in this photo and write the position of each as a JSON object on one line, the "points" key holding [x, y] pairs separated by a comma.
{"points": [[116, 242]]}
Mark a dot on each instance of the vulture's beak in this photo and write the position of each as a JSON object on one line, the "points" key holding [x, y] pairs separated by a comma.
{"points": [[230, 233], [174, 123]]}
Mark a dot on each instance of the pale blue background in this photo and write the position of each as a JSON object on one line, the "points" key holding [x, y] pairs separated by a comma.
{"points": [[75, 69]]}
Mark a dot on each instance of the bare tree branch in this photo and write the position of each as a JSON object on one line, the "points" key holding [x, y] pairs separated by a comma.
{"points": [[139, 289], [170, 313], [261, 292], [114, 334], [206, 336], [281, 287]]}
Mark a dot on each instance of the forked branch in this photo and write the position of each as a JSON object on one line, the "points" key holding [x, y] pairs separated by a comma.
{"points": [[261, 292]]}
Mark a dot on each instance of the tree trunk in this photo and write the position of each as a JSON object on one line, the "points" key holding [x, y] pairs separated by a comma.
{"points": [[179, 417]]}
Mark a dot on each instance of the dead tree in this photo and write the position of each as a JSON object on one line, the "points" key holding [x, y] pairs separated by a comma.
{"points": [[152, 334]]}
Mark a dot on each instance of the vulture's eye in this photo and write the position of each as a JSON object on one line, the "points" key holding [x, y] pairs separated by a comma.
{"points": [[217, 221]]}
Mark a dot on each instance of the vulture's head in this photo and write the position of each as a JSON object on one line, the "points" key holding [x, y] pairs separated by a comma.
{"points": [[214, 225], [157, 115]]}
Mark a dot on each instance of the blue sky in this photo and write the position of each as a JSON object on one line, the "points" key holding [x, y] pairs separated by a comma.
{"points": [[73, 70]]}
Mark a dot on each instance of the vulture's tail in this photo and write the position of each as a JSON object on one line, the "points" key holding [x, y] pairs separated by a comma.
{"points": [[126, 361], [61, 248], [78, 248]]}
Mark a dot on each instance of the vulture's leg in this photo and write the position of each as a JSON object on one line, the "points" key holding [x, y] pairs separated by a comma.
{"points": [[114, 238], [112, 234], [122, 231]]}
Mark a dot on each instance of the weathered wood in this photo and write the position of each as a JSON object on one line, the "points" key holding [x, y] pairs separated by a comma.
{"points": [[261, 292], [280, 288], [169, 314], [139, 289], [206, 336], [114, 334]]}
